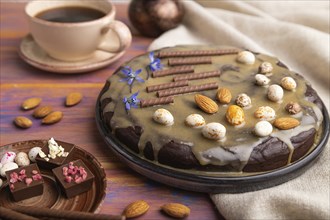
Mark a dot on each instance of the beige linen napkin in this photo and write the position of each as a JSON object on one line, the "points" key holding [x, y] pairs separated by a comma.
{"points": [[297, 32]]}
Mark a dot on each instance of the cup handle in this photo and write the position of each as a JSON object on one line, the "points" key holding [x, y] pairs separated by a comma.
{"points": [[123, 35]]}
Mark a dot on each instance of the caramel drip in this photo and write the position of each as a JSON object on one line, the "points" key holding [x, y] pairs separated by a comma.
{"points": [[191, 53], [187, 89]]}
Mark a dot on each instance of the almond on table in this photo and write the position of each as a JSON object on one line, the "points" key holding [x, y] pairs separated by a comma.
{"points": [[31, 103], [73, 98]]}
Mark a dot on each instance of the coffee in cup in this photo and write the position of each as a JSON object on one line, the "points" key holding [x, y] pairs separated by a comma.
{"points": [[73, 30]]}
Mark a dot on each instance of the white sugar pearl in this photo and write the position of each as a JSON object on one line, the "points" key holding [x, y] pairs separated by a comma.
{"points": [[263, 128], [246, 57], [8, 157], [33, 153], [243, 100], [164, 117], [288, 83], [6, 167], [22, 159], [262, 80], [214, 131], [275, 93], [195, 121]]}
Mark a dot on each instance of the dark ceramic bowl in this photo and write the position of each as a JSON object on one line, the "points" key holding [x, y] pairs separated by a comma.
{"points": [[206, 182]]}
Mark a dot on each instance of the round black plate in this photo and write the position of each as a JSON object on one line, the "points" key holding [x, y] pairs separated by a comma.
{"points": [[211, 184]]}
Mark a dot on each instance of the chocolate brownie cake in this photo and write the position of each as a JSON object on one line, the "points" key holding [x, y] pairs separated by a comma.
{"points": [[212, 108]]}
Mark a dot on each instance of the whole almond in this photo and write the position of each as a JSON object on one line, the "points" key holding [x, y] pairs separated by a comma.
{"points": [[31, 103], [136, 208], [235, 115], [224, 95], [286, 123], [206, 104], [52, 118], [176, 210], [42, 111], [73, 98], [23, 122]]}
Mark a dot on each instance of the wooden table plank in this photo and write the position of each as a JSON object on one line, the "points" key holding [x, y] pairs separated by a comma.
{"points": [[20, 81]]}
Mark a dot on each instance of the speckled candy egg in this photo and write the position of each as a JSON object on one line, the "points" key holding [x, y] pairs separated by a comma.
{"points": [[243, 100], [33, 153], [261, 80], [288, 83], [8, 157], [22, 159], [275, 93], [195, 121], [214, 131], [163, 116], [6, 167]]}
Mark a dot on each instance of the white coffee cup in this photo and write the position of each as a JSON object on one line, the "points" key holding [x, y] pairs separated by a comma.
{"points": [[79, 40]]}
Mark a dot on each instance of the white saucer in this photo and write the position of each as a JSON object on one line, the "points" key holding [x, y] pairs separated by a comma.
{"points": [[31, 53]]}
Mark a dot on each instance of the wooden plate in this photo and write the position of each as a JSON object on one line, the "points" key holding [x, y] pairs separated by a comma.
{"points": [[52, 196]]}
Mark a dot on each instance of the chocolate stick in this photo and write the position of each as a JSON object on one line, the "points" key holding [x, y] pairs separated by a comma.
{"points": [[156, 101], [167, 86], [172, 71], [195, 76], [191, 53], [9, 214], [189, 61], [187, 89], [53, 213]]}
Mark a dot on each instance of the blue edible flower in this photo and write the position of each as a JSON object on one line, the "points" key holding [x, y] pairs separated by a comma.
{"points": [[131, 101], [131, 76], [155, 63]]}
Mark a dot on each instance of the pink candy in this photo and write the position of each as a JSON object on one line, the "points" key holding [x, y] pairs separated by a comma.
{"points": [[28, 181], [21, 176], [37, 177], [78, 174]]}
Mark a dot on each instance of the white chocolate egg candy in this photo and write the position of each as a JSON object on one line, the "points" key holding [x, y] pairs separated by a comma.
{"points": [[243, 100], [288, 83], [22, 159], [6, 167], [275, 93], [246, 57], [163, 116], [262, 80], [265, 68], [265, 113], [8, 157], [33, 153], [195, 121], [263, 128], [214, 131]]}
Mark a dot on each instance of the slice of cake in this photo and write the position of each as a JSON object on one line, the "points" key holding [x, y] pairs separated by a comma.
{"points": [[212, 108]]}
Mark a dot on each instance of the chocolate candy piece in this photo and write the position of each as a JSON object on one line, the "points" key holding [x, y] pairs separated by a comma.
{"points": [[25, 182], [50, 163], [74, 178]]}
